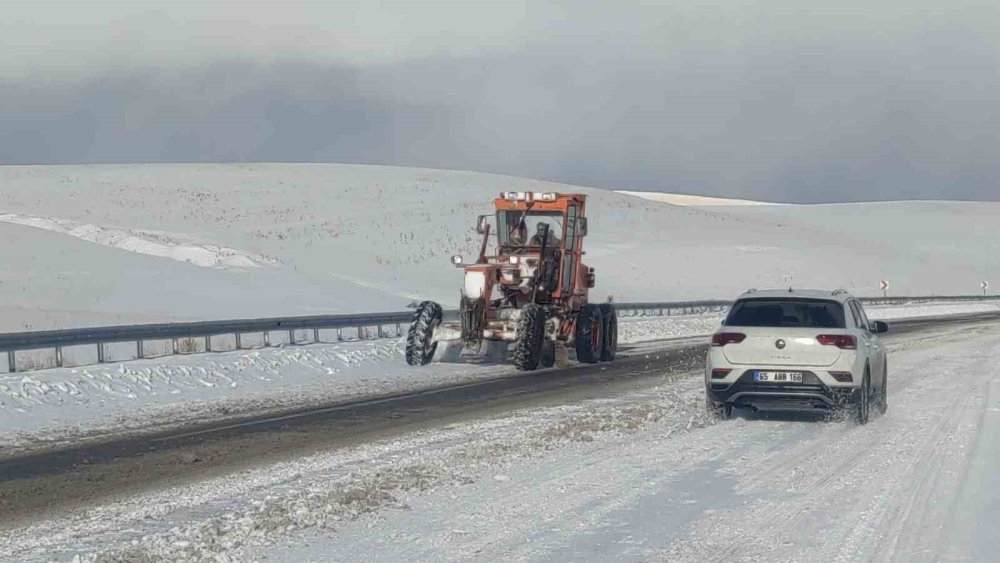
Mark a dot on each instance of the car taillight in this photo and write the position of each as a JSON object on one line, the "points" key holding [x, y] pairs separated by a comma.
{"points": [[723, 338], [720, 373], [842, 341], [842, 376]]}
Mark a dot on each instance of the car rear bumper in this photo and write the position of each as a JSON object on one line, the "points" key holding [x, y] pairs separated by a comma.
{"points": [[810, 394]]}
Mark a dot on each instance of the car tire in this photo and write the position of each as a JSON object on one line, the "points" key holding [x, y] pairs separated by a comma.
{"points": [[883, 399], [862, 411], [717, 410]]}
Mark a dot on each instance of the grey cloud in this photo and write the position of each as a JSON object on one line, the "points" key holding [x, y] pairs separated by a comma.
{"points": [[802, 120]]}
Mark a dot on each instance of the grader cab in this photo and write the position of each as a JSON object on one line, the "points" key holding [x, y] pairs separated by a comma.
{"points": [[528, 286]]}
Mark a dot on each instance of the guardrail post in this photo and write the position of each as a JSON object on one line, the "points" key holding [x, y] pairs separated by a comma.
{"points": [[361, 334], [100, 352], [291, 336], [340, 335], [59, 357], [12, 361], [267, 338], [239, 344], [208, 343], [378, 330], [399, 330], [138, 349], [316, 335], [176, 346]]}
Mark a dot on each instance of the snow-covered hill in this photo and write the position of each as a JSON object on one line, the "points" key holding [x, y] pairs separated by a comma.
{"points": [[124, 243], [693, 200]]}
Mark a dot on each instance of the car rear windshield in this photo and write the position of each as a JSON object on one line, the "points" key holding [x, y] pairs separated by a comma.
{"points": [[807, 313]]}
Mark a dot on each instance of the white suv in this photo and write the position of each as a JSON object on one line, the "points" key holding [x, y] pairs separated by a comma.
{"points": [[797, 349]]}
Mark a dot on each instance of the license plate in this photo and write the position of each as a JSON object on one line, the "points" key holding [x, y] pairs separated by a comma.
{"points": [[778, 376]]}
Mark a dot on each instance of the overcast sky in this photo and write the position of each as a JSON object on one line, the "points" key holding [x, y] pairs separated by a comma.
{"points": [[785, 100]]}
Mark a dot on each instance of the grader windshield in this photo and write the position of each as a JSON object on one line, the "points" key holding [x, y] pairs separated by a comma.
{"points": [[523, 228]]}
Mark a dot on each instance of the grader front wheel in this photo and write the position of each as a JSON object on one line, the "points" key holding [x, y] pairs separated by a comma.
{"points": [[420, 344], [530, 338]]}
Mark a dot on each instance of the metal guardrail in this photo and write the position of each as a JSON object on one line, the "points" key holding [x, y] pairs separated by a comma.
{"points": [[689, 307], [175, 332], [11, 343]]}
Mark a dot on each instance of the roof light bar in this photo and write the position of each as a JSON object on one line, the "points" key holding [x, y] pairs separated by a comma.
{"points": [[529, 196]]}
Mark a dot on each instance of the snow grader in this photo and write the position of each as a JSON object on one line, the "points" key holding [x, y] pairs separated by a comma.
{"points": [[530, 290]]}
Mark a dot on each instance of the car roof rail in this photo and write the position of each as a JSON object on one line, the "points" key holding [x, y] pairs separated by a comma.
{"points": [[751, 290], [839, 292]]}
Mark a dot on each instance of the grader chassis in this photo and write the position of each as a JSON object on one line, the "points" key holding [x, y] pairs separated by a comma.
{"points": [[532, 290]]}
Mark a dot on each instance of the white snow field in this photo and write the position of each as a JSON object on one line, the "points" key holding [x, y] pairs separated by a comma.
{"points": [[84, 245], [638, 476]]}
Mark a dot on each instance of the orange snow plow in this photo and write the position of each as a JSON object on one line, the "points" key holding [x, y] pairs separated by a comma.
{"points": [[528, 286]]}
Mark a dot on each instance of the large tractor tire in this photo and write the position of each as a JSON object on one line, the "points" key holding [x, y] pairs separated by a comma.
{"points": [[530, 338], [420, 344], [609, 349], [589, 332]]}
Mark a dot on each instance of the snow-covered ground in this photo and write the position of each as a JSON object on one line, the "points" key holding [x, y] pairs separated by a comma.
{"points": [[57, 406], [639, 476], [135, 243], [692, 200]]}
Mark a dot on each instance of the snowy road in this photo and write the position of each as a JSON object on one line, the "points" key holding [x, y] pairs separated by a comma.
{"points": [[919, 484], [624, 468]]}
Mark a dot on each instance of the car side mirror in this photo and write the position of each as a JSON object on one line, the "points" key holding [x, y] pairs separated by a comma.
{"points": [[581, 226], [879, 327], [481, 224]]}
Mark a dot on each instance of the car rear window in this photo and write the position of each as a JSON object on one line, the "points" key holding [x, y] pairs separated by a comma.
{"points": [[808, 313]]}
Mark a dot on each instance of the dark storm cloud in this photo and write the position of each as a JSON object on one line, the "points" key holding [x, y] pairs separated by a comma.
{"points": [[223, 112], [791, 120]]}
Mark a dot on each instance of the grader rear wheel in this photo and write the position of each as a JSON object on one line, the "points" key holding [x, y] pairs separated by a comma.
{"points": [[589, 333], [610, 345], [548, 354]]}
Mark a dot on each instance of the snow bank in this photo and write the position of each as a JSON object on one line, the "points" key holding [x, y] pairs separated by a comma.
{"points": [[162, 245], [645, 329], [929, 310]]}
